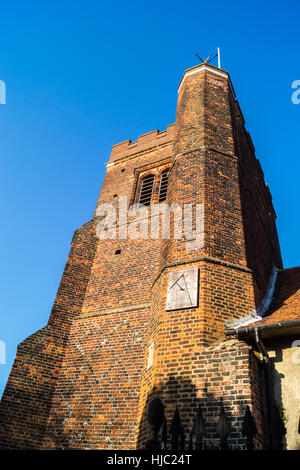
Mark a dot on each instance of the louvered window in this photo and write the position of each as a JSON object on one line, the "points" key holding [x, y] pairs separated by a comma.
{"points": [[146, 190], [163, 186]]}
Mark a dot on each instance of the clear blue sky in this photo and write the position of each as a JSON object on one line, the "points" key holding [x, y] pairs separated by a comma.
{"points": [[82, 76]]}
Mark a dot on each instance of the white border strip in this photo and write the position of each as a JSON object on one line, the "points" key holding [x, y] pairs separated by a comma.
{"points": [[200, 69]]}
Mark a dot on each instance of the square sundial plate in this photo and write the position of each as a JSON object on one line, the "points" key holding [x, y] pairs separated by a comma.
{"points": [[182, 289]]}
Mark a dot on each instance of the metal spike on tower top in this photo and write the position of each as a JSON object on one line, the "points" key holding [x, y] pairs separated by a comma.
{"points": [[210, 59]]}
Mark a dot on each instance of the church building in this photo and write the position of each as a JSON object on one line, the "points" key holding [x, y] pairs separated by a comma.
{"points": [[175, 324]]}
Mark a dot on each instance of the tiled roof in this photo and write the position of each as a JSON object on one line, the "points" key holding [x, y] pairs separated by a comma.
{"points": [[285, 305]]}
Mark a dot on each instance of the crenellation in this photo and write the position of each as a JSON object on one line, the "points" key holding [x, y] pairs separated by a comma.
{"points": [[145, 142]]}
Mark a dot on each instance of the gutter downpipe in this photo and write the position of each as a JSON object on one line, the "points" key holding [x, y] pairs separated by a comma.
{"points": [[268, 385], [275, 428]]}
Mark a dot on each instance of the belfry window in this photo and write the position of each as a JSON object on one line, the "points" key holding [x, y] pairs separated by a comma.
{"points": [[146, 190], [163, 186]]}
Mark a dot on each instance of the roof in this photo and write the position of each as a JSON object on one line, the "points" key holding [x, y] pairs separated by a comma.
{"points": [[285, 305], [283, 315]]}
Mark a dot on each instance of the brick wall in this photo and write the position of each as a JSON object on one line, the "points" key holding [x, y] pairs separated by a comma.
{"points": [[85, 380], [27, 398], [259, 217], [225, 374], [76, 383], [95, 401]]}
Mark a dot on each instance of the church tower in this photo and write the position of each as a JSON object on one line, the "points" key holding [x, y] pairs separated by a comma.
{"points": [[143, 307]]}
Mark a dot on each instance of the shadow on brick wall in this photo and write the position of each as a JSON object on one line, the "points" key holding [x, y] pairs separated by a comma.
{"points": [[181, 393]]}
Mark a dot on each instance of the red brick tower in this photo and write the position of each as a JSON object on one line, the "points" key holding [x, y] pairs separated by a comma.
{"points": [[134, 318], [213, 164]]}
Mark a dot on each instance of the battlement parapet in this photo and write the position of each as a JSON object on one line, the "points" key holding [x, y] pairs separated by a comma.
{"points": [[144, 142]]}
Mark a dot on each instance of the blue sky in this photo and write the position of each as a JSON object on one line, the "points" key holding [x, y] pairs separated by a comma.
{"points": [[82, 76]]}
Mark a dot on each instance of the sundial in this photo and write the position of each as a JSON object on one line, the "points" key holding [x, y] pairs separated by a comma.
{"points": [[182, 289]]}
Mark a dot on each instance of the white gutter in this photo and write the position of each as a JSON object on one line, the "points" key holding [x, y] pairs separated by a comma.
{"points": [[257, 314]]}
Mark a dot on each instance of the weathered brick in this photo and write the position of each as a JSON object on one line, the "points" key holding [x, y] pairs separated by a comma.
{"points": [[83, 381]]}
